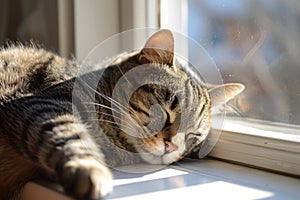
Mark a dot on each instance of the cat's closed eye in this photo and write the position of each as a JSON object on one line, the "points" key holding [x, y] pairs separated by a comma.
{"points": [[194, 134]]}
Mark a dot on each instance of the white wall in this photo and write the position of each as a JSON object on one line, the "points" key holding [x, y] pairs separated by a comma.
{"points": [[94, 21]]}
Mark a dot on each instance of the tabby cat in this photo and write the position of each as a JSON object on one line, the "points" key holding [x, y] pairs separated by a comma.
{"points": [[51, 127]]}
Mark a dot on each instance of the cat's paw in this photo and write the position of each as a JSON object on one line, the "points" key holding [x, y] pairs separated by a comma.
{"points": [[86, 179]]}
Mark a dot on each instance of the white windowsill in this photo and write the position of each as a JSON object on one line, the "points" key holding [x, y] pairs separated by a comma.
{"points": [[192, 179], [262, 144]]}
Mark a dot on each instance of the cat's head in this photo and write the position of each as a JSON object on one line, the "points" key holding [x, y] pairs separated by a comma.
{"points": [[169, 112]]}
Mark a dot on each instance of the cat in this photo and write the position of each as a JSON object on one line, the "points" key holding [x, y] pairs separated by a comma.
{"points": [[56, 126]]}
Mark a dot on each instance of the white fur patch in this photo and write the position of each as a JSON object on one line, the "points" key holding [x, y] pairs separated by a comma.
{"points": [[179, 141]]}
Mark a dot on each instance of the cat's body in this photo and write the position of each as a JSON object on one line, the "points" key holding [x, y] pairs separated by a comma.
{"points": [[70, 132]]}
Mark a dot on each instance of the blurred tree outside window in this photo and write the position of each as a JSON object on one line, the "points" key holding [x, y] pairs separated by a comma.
{"points": [[255, 42]]}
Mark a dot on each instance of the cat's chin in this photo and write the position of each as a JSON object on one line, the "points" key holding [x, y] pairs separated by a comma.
{"points": [[166, 159]]}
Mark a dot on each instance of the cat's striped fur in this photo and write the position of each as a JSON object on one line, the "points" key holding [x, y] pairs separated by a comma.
{"points": [[44, 133]]}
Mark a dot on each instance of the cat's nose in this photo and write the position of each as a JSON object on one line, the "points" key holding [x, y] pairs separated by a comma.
{"points": [[170, 147]]}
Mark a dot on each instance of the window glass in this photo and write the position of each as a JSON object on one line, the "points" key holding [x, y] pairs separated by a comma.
{"points": [[255, 42]]}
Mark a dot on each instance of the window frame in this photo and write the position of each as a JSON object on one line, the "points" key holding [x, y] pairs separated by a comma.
{"points": [[122, 15], [255, 143]]}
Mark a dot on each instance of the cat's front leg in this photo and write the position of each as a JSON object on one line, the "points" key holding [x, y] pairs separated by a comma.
{"points": [[85, 178], [47, 133], [81, 170]]}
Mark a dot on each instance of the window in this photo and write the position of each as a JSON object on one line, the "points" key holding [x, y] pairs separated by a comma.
{"points": [[255, 43]]}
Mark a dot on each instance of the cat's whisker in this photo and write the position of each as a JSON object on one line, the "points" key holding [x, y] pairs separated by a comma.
{"points": [[102, 113], [112, 126], [119, 105], [120, 126], [124, 76], [106, 97], [235, 110], [110, 115], [121, 113], [132, 123], [94, 90], [130, 85], [88, 111], [115, 117], [107, 107], [116, 103]]}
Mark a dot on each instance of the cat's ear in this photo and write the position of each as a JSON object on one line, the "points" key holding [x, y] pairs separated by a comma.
{"points": [[223, 93], [159, 48]]}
